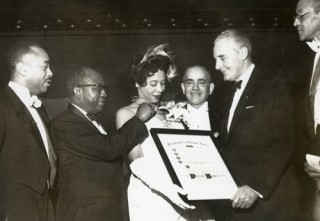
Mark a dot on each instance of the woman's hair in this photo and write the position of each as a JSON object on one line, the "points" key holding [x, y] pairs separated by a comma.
{"points": [[156, 58]]}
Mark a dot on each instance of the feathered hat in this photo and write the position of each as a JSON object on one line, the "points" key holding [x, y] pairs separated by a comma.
{"points": [[163, 50]]}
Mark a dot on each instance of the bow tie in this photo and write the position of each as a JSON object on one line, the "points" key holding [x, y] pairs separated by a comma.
{"points": [[236, 85], [34, 101], [93, 117], [314, 45]]}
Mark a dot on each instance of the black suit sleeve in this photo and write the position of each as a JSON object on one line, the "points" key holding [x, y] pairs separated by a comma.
{"points": [[280, 141], [74, 135]]}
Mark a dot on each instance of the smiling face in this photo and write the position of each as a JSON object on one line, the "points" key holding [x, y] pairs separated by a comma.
{"points": [[308, 23], [90, 93], [197, 86], [155, 86], [229, 59], [36, 71]]}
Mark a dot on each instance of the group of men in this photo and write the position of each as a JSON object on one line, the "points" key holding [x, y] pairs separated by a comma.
{"points": [[256, 135]]}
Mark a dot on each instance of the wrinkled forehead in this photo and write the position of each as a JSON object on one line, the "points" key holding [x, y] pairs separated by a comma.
{"points": [[196, 74], [303, 6], [93, 76], [224, 46], [36, 55]]}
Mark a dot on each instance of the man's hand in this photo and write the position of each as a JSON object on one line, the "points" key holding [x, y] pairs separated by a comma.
{"points": [[312, 171], [244, 198], [145, 111]]}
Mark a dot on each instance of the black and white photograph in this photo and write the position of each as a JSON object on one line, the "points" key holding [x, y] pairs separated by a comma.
{"points": [[86, 86]]}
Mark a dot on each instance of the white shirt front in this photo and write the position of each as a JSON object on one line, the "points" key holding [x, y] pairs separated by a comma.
{"points": [[315, 46], [198, 119], [24, 95], [95, 123], [244, 78]]}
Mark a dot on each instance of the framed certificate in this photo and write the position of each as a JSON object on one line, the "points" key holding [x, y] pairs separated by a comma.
{"points": [[195, 164]]}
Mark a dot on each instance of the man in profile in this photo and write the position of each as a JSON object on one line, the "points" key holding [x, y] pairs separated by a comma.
{"points": [[307, 22], [257, 134], [27, 158], [91, 184]]}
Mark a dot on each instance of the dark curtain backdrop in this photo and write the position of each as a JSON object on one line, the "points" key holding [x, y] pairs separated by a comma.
{"points": [[111, 52]]}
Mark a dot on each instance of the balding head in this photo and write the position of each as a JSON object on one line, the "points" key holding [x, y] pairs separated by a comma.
{"points": [[197, 85], [87, 89]]}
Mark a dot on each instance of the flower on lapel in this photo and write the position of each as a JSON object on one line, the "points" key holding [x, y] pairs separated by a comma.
{"points": [[178, 113]]}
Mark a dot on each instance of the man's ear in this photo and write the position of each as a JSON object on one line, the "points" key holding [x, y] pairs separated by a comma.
{"points": [[211, 87], [137, 85], [77, 92], [183, 88], [244, 53], [21, 69]]}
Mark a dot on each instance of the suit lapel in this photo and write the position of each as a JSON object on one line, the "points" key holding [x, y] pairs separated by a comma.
{"points": [[224, 123], [310, 112], [25, 117], [252, 85], [75, 111]]}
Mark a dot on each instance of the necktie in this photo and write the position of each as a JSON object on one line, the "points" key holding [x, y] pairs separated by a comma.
{"points": [[94, 117], [236, 85], [95, 120], [35, 102], [314, 45]]}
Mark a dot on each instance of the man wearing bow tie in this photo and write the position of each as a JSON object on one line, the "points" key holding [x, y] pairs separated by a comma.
{"points": [[27, 158], [307, 22], [91, 185], [257, 135]]}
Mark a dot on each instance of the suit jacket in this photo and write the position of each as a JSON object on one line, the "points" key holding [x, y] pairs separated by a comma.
{"points": [[259, 147], [313, 139], [23, 158], [89, 168]]}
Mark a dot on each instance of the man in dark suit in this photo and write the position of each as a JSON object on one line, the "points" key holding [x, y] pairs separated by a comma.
{"points": [[307, 22], [90, 181], [27, 158], [257, 135]]}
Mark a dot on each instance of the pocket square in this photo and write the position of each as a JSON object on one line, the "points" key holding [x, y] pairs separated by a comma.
{"points": [[248, 107]]}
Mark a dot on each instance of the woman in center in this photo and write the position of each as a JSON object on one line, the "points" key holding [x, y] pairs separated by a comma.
{"points": [[151, 193]]}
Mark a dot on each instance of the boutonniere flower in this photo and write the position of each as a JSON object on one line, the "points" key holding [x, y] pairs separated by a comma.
{"points": [[178, 113]]}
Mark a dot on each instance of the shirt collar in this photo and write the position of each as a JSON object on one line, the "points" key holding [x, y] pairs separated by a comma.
{"points": [[314, 45], [24, 94], [203, 108], [81, 110], [246, 76]]}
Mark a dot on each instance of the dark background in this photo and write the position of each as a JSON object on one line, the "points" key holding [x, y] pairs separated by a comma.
{"points": [[106, 35]]}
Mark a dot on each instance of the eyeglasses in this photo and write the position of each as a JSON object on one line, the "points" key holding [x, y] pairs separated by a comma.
{"points": [[100, 87], [301, 16]]}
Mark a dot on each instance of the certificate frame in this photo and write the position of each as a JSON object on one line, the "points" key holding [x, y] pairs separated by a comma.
{"points": [[195, 164]]}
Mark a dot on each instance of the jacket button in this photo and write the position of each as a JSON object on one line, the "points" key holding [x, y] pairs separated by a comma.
{"points": [[26, 149], [38, 180]]}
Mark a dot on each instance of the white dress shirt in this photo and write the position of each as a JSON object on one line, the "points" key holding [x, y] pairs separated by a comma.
{"points": [[198, 119], [315, 46], [244, 78], [24, 94], [95, 123]]}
